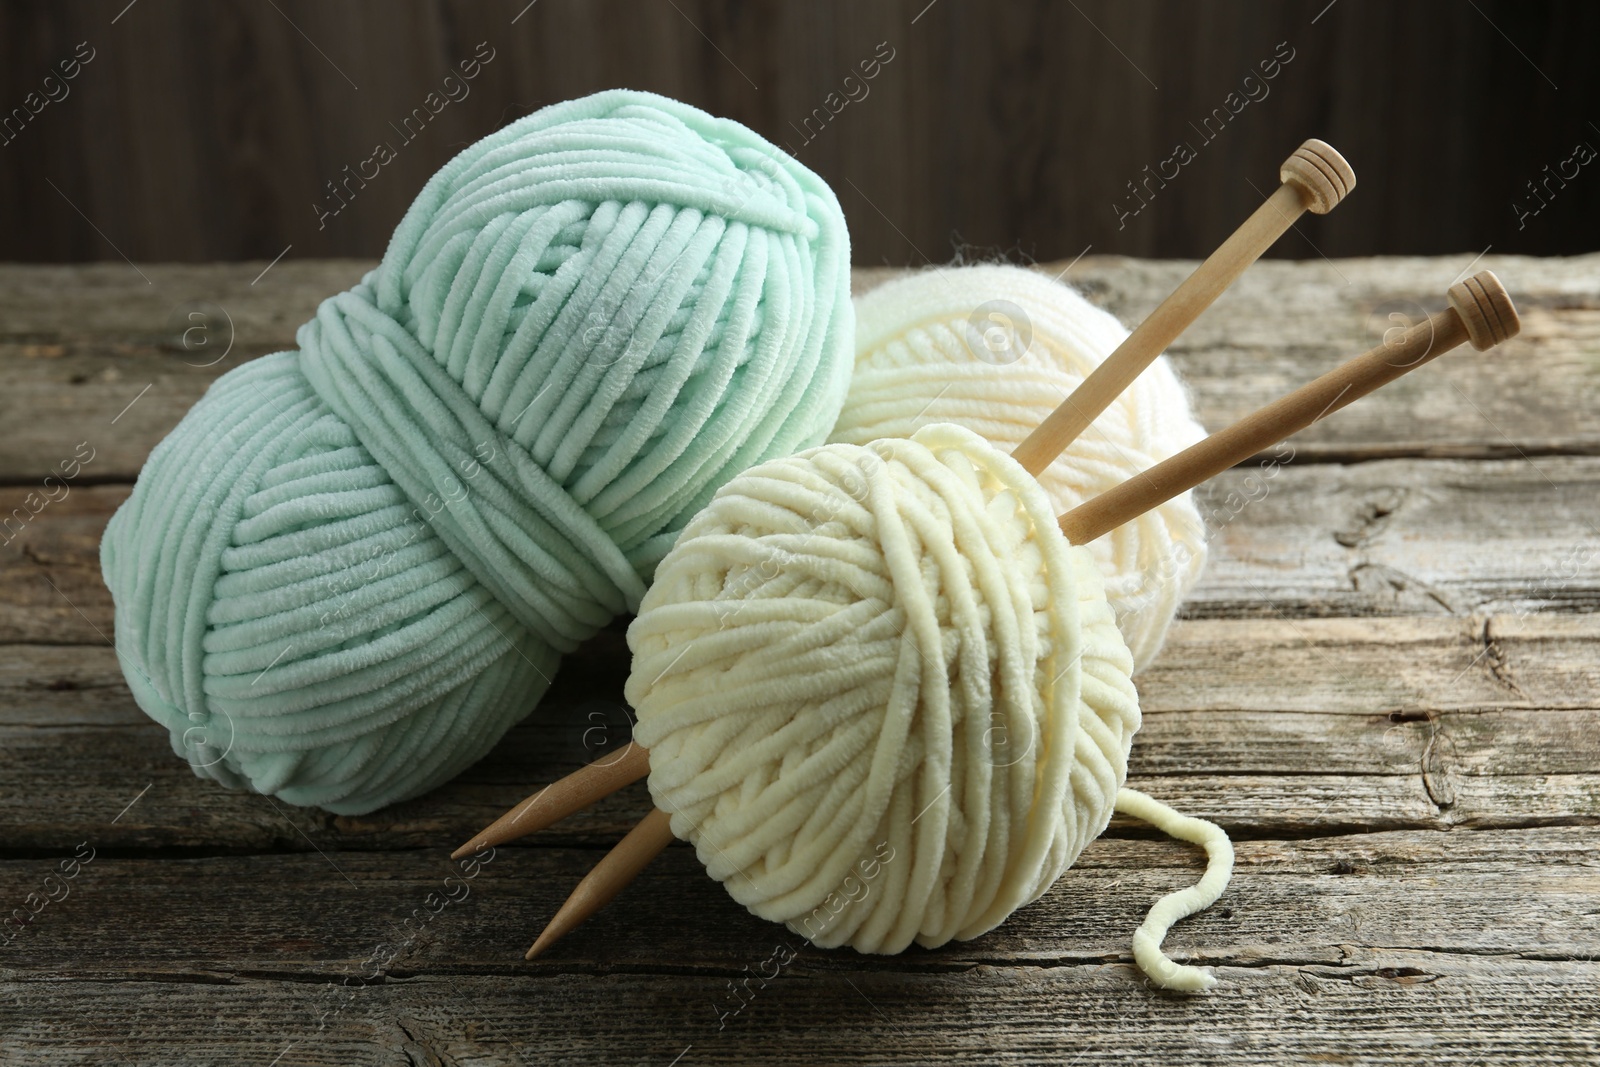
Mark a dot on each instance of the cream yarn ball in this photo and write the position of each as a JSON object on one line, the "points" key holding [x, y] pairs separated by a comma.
{"points": [[887, 701], [996, 349]]}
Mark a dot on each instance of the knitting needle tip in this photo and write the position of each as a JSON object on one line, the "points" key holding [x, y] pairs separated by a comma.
{"points": [[619, 867], [469, 848], [544, 941]]}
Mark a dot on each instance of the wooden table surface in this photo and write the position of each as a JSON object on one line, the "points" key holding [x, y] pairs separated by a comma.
{"points": [[1386, 689]]}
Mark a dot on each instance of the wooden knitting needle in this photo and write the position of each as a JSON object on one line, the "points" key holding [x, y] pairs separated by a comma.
{"points": [[1480, 311], [559, 799], [621, 866], [1316, 178]]}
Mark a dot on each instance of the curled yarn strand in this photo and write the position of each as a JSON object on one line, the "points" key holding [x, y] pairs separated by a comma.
{"points": [[1183, 902]]}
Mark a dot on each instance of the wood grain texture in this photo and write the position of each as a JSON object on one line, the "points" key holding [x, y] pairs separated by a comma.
{"points": [[1386, 688], [1395, 537], [74, 367], [1307, 727], [1308, 902], [1373, 1007], [205, 131]]}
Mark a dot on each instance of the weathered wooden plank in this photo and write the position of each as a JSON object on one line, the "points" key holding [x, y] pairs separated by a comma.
{"points": [[116, 764], [101, 357], [1209, 666], [1403, 537], [1376, 666], [1458, 689], [1400, 668], [50, 564], [1271, 727], [78, 344], [307, 914], [1374, 1007], [1283, 323], [45, 303], [1395, 537]]}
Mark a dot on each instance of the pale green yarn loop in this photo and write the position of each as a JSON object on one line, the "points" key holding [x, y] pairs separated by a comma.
{"points": [[352, 567]]}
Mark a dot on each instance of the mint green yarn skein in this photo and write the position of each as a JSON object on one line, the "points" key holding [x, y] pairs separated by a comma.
{"points": [[352, 567]]}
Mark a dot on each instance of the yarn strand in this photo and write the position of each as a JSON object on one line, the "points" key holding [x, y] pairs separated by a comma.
{"points": [[1184, 902]]}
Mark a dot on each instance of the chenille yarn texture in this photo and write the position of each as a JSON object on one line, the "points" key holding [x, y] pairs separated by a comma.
{"points": [[887, 701], [995, 348], [353, 566]]}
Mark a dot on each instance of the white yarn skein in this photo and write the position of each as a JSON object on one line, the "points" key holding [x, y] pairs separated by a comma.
{"points": [[887, 701], [996, 349]]}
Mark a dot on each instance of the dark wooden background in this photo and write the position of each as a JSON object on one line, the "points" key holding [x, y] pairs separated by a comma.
{"points": [[206, 131]]}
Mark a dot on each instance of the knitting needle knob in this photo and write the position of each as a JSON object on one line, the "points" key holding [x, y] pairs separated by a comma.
{"points": [[1315, 178], [1321, 175], [1486, 310]]}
